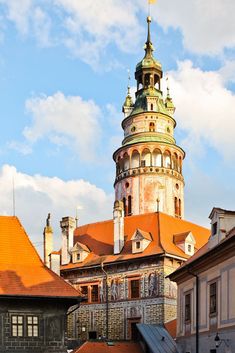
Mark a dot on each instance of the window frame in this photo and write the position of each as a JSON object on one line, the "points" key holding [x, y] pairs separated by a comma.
{"points": [[213, 297], [33, 325], [17, 324], [130, 282], [187, 308]]}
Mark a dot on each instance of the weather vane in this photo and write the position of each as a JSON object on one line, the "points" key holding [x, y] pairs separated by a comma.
{"points": [[150, 2]]}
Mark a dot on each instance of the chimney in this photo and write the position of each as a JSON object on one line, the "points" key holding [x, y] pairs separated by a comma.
{"points": [[67, 225], [47, 241], [55, 262], [118, 220]]}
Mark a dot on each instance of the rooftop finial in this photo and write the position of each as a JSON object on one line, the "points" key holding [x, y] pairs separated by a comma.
{"points": [[148, 44], [128, 82], [167, 87]]}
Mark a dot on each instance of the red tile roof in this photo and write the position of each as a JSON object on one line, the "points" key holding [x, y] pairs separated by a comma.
{"points": [[171, 327], [22, 272], [103, 347], [99, 238]]}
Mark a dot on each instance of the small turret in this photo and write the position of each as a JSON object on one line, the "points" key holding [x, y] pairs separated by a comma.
{"points": [[168, 102]]}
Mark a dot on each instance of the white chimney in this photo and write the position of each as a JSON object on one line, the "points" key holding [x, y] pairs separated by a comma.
{"points": [[118, 220], [67, 225], [55, 262]]}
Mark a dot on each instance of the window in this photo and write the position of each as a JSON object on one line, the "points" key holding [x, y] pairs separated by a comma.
{"points": [[32, 326], [151, 127], [124, 205], [138, 245], [188, 307], [143, 163], [84, 292], [214, 228], [94, 293], [129, 205], [151, 107], [134, 288], [78, 256], [213, 298], [189, 248], [17, 325]]}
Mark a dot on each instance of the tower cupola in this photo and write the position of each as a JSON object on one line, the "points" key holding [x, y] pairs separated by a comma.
{"points": [[149, 163]]}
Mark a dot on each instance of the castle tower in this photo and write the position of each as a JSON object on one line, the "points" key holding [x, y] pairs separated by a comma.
{"points": [[149, 163]]}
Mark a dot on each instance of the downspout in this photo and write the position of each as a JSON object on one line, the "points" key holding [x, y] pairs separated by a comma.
{"points": [[197, 308], [107, 301]]}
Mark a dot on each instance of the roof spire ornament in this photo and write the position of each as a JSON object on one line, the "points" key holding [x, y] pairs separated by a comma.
{"points": [[168, 101], [148, 45]]}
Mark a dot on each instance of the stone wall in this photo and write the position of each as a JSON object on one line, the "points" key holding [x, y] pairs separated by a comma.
{"points": [[156, 304], [51, 326]]}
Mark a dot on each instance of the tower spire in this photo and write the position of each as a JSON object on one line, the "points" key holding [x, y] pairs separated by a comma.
{"points": [[148, 45]]}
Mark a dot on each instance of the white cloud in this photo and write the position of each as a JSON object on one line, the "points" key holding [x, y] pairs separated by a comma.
{"points": [[68, 121], [20, 147], [93, 25], [42, 27], [207, 26], [204, 107], [18, 12], [38, 195]]}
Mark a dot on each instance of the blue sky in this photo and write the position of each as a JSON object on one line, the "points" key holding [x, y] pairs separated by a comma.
{"points": [[63, 78]]}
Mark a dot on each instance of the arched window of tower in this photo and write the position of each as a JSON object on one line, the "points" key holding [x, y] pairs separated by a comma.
{"points": [[175, 161], [146, 158], [147, 80], [179, 208], [152, 124], [121, 166], [126, 162], [124, 205], [129, 205], [157, 158], [135, 159], [180, 165], [167, 159], [176, 207]]}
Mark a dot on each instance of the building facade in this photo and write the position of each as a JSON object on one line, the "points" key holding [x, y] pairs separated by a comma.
{"points": [[120, 265], [34, 301], [206, 291]]}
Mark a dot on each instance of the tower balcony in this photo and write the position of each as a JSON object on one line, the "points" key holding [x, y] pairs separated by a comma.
{"points": [[133, 172]]}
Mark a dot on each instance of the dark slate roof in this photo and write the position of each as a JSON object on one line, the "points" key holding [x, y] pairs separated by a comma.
{"points": [[153, 337]]}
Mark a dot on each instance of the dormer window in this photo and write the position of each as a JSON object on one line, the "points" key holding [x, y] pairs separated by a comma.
{"points": [[186, 242], [214, 228], [140, 241], [79, 252]]}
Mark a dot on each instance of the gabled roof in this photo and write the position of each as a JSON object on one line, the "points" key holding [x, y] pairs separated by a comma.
{"points": [[81, 246], [104, 347], [206, 253], [181, 237], [22, 272], [157, 338], [143, 234], [162, 227]]}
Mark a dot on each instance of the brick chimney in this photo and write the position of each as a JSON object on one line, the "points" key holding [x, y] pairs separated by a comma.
{"points": [[47, 241], [67, 225], [118, 220]]}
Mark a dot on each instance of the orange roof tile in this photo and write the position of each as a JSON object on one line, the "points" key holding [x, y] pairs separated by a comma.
{"points": [[99, 238], [103, 347], [171, 327], [22, 272]]}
